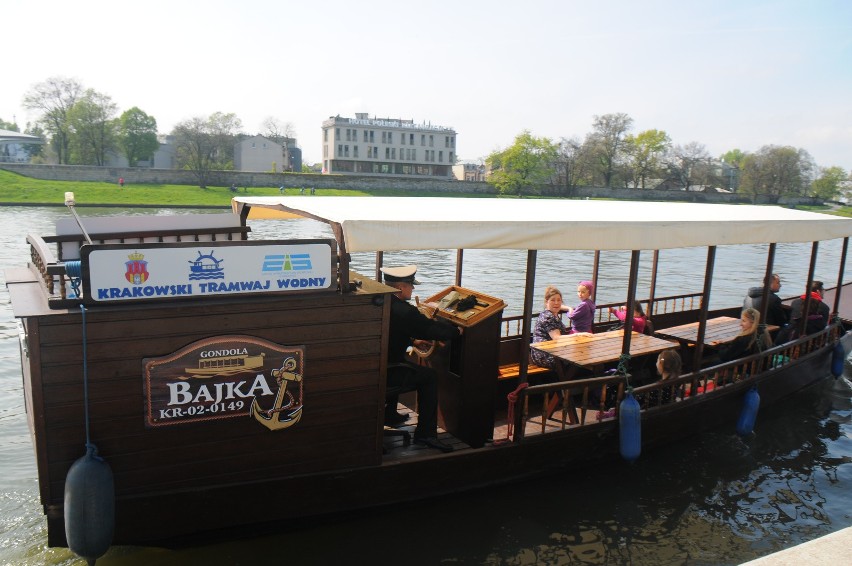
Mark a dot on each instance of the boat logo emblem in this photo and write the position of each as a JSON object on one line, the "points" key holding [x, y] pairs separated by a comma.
{"points": [[136, 269], [206, 266]]}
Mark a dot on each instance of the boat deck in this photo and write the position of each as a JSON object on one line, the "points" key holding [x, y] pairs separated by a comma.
{"points": [[396, 451]]}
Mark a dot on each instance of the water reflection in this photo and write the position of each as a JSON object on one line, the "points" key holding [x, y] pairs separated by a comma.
{"points": [[714, 499]]}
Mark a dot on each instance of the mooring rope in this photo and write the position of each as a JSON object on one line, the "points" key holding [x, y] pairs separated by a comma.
{"points": [[510, 413], [90, 448], [75, 273]]}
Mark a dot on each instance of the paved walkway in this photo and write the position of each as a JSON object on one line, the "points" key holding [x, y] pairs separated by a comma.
{"points": [[831, 549]]}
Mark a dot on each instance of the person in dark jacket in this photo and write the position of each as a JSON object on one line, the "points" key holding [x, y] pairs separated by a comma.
{"points": [[407, 323], [749, 341], [817, 294], [775, 313]]}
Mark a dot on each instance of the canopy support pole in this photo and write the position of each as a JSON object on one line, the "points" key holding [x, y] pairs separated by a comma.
{"points": [[767, 282], [653, 289], [840, 276], [806, 304], [705, 304], [632, 283]]}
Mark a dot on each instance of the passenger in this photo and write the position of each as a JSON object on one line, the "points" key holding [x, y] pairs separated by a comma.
{"points": [[822, 309], [548, 326], [583, 314], [775, 313], [406, 324], [749, 341], [668, 366], [638, 316]]}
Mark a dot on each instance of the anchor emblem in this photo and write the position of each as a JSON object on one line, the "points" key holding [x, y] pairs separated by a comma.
{"points": [[281, 416]]}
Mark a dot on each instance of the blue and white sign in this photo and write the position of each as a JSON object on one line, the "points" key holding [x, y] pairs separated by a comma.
{"points": [[142, 272]]}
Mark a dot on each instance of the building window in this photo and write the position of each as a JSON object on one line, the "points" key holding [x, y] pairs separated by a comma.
{"points": [[441, 156], [393, 153], [451, 157], [387, 153], [346, 150], [431, 140], [336, 133], [414, 155], [390, 137], [372, 136], [402, 139], [365, 136], [410, 139], [384, 137], [422, 140], [339, 149], [355, 151], [325, 135], [253, 145]]}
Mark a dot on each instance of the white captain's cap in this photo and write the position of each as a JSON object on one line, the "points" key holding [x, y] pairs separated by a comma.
{"points": [[402, 274]]}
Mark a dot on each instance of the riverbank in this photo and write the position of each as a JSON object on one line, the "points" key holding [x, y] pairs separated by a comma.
{"points": [[18, 190]]}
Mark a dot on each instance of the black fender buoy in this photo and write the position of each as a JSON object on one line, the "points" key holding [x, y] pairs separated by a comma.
{"points": [[89, 506], [630, 428], [748, 414], [838, 358]]}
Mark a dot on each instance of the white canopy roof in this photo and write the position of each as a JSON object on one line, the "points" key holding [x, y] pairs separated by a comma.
{"points": [[411, 223]]}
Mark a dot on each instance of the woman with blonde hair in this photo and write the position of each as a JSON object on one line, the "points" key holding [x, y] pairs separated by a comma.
{"points": [[749, 341]]}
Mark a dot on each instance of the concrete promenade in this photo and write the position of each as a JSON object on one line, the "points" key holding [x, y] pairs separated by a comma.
{"points": [[832, 549]]}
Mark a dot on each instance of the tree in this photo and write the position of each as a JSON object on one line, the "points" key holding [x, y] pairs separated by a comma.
{"points": [[606, 143], [525, 164], [34, 150], [94, 127], [137, 135], [645, 152], [53, 99], [571, 164], [11, 126], [829, 184], [278, 130], [776, 171], [206, 144], [689, 164]]}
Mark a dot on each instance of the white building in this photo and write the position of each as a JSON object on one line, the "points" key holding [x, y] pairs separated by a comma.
{"points": [[393, 147], [260, 154]]}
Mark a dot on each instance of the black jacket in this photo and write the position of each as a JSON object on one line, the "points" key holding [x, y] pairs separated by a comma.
{"points": [[775, 314], [407, 322]]}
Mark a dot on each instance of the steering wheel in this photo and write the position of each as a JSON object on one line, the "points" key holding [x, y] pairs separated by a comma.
{"points": [[424, 348]]}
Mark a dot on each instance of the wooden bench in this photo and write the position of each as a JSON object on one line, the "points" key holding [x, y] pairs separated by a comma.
{"points": [[510, 371]]}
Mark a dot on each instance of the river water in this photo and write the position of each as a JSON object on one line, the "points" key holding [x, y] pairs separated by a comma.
{"points": [[715, 499]]}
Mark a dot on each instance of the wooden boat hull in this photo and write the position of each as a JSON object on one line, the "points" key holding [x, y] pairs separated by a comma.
{"points": [[171, 515]]}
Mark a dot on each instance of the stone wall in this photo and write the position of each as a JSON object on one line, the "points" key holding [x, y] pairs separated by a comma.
{"points": [[140, 175]]}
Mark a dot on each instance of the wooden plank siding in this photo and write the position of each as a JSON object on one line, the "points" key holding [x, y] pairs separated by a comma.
{"points": [[343, 392]]}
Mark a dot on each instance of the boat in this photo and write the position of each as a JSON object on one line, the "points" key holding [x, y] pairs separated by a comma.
{"points": [[302, 435]]}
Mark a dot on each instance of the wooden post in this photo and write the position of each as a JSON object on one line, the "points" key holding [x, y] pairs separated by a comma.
{"points": [[840, 275], [632, 283], [705, 302]]}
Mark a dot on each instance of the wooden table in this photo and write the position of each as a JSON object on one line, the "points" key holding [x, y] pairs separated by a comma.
{"points": [[720, 329], [593, 350]]}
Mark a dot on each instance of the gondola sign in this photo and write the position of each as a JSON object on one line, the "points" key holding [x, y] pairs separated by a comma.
{"points": [[226, 377], [192, 270]]}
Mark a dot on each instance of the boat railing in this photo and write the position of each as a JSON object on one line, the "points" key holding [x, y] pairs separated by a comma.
{"points": [[583, 402], [511, 326]]}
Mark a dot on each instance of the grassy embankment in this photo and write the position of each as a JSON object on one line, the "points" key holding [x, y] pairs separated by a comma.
{"points": [[17, 189]]}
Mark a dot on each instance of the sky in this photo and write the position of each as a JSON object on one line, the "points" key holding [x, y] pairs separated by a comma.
{"points": [[726, 74]]}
